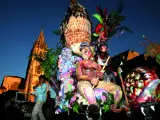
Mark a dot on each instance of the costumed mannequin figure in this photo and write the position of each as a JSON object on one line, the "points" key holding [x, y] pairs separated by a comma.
{"points": [[101, 52], [101, 57], [101, 47], [89, 73]]}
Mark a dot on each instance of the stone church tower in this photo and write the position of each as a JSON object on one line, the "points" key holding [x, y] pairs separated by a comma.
{"points": [[33, 68]]}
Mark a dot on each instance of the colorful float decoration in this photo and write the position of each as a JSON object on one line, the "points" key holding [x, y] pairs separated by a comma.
{"points": [[76, 30], [76, 27], [82, 58], [109, 25], [141, 86], [141, 89]]}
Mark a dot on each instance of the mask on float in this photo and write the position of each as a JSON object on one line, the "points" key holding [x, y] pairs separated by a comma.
{"points": [[76, 27], [86, 51]]}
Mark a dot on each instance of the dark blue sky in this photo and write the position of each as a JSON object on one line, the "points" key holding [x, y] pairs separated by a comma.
{"points": [[21, 22]]}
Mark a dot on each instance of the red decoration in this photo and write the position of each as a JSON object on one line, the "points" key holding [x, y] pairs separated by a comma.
{"points": [[98, 28]]}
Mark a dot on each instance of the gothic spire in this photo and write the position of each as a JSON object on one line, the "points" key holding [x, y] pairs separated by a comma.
{"points": [[41, 36], [73, 1], [40, 40], [42, 29]]}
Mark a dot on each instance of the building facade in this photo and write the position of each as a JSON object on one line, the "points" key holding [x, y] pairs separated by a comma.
{"points": [[32, 73]]}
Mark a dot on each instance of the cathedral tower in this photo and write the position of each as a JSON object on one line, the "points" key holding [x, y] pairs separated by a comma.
{"points": [[33, 68]]}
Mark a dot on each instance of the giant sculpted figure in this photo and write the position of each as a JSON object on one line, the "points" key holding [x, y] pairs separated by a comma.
{"points": [[89, 76]]}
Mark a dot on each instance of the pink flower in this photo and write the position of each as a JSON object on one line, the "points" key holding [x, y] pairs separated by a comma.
{"points": [[73, 99], [103, 98], [71, 81], [69, 106]]}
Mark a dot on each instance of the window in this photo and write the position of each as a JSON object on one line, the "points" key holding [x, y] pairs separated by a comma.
{"points": [[41, 54], [38, 69], [41, 46]]}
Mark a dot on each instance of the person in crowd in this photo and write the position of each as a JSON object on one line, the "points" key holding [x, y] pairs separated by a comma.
{"points": [[50, 102], [40, 94]]}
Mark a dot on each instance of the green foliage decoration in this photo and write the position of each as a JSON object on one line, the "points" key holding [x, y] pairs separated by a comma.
{"points": [[108, 102], [75, 105], [113, 22], [48, 62]]}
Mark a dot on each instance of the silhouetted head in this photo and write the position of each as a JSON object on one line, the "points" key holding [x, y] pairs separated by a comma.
{"points": [[42, 78]]}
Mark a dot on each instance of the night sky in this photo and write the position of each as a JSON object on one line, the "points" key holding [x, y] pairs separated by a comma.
{"points": [[21, 22]]}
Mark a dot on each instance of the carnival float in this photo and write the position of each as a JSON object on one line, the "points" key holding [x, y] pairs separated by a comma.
{"points": [[80, 67]]}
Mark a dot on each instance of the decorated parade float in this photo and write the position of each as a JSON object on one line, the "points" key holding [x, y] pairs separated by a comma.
{"points": [[83, 73]]}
